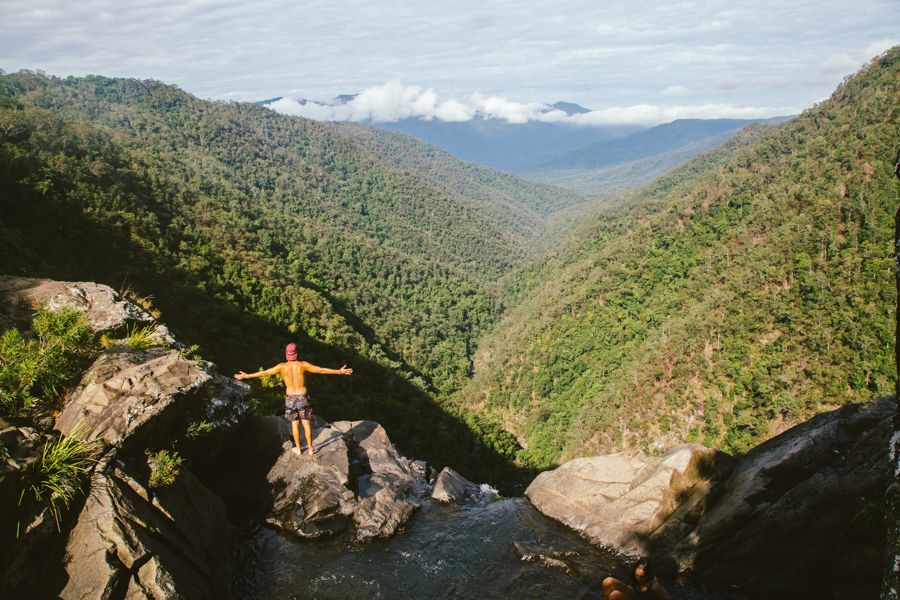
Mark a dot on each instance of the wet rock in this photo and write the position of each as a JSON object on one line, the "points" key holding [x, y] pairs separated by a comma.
{"points": [[310, 494], [135, 399], [382, 514], [801, 514], [622, 501], [104, 308], [135, 542], [389, 488], [561, 560], [451, 487]]}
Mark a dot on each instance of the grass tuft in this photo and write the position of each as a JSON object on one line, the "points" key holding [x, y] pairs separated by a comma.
{"points": [[142, 338], [56, 477]]}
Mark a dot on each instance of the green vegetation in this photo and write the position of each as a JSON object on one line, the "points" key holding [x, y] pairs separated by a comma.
{"points": [[255, 229], [142, 338], [742, 293], [739, 295], [55, 478], [165, 466], [35, 371], [198, 429]]}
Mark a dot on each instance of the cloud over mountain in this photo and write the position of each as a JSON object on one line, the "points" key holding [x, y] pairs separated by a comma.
{"points": [[395, 101]]}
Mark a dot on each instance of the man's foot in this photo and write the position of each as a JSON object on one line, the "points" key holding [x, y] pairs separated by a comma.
{"points": [[297, 451], [311, 452]]}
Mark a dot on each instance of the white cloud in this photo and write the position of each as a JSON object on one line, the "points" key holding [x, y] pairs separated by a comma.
{"points": [[495, 107], [676, 90], [648, 114], [592, 53], [840, 63], [876, 48], [394, 101], [847, 62]]}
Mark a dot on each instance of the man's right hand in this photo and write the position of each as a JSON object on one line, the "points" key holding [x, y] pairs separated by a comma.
{"points": [[240, 375], [345, 371]]}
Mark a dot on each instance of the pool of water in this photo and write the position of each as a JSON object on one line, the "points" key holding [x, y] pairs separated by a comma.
{"points": [[445, 552]]}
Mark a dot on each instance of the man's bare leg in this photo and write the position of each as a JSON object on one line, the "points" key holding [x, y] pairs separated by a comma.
{"points": [[295, 429], [308, 431]]}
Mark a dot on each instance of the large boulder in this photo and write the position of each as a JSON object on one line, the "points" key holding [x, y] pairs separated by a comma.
{"points": [[802, 514], [314, 496], [310, 497], [625, 501], [104, 308], [390, 486], [799, 516], [452, 488], [131, 541], [134, 399]]}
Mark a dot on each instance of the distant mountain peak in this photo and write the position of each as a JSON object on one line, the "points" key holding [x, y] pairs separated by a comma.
{"points": [[570, 108]]}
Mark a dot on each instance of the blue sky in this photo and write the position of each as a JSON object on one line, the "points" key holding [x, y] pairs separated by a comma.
{"points": [[629, 60]]}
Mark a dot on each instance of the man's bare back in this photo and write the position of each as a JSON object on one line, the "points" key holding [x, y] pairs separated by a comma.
{"points": [[293, 372]]}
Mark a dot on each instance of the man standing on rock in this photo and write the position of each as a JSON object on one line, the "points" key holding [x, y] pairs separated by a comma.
{"points": [[296, 403]]}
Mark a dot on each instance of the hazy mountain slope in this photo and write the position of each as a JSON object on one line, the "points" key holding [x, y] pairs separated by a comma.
{"points": [[735, 297], [656, 140], [508, 146], [259, 228], [612, 167]]}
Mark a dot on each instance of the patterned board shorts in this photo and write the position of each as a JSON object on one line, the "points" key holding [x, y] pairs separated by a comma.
{"points": [[297, 407]]}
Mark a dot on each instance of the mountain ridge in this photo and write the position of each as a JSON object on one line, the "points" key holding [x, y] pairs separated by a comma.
{"points": [[742, 293]]}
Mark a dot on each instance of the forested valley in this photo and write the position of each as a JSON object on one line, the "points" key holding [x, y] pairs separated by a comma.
{"points": [[734, 297]]}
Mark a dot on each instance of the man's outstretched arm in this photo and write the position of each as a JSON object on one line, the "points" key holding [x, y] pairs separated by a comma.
{"points": [[273, 371], [323, 371]]}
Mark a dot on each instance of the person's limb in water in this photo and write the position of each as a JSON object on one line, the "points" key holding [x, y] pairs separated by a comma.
{"points": [[613, 589], [646, 585]]}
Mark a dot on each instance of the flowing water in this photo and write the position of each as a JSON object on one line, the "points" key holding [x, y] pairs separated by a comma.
{"points": [[472, 551]]}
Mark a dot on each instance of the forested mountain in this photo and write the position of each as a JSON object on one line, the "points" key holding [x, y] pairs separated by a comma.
{"points": [[254, 228], [735, 297], [524, 208]]}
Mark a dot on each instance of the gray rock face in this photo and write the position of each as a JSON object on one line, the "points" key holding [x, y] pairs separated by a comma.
{"points": [[383, 513], [390, 486], [804, 509], [798, 516], [313, 497], [451, 487], [621, 501], [138, 543], [104, 308], [136, 399]]}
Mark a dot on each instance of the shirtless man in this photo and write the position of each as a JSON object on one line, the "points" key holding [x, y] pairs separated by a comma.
{"points": [[296, 403]]}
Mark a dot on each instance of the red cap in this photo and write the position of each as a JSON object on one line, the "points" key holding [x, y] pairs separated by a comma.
{"points": [[290, 351]]}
